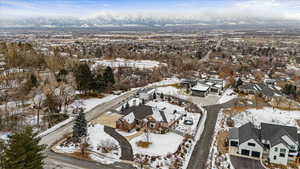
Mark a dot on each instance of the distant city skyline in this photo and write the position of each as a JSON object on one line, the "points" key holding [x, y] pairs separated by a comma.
{"points": [[271, 9]]}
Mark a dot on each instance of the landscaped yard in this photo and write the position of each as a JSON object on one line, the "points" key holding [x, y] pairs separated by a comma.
{"points": [[161, 144]]}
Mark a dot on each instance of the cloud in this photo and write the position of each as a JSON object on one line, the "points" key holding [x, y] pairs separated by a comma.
{"points": [[190, 9]]}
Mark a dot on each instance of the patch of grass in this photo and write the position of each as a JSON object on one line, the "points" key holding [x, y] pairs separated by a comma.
{"points": [[143, 144]]}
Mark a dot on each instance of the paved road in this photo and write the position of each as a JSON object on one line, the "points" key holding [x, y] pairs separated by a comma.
{"points": [[126, 149], [245, 163], [66, 162], [206, 57], [59, 134], [201, 151]]}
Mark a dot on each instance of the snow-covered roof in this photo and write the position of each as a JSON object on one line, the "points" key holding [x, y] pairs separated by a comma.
{"points": [[200, 87], [129, 117]]}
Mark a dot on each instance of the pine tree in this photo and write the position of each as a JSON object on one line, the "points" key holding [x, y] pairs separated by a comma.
{"points": [[154, 95], [108, 77], [162, 96], [84, 77], [80, 127], [127, 105], [23, 151]]}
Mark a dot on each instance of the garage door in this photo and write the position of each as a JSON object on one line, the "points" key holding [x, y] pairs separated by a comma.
{"points": [[245, 152], [255, 154]]}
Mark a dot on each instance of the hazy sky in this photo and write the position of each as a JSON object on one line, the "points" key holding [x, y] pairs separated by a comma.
{"points": [[277, 9]]}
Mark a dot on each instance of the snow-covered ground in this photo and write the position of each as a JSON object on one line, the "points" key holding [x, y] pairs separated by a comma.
{"points": [[228, 95], [162, 144], [168, 81], [96, 138], [267, 115], [119, 62], [88, 104]]}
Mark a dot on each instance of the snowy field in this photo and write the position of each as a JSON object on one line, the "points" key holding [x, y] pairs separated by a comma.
{"points": [[119, 62], [267, 115], [162, 144], [228, 95], [168, 81]]}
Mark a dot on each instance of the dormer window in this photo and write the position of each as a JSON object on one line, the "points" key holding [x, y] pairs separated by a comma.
{"points": [[251, 144]]}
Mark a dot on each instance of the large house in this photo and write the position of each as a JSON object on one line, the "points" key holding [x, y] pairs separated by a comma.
{"points": [[201, 90], [137, 117], [276, 143]]}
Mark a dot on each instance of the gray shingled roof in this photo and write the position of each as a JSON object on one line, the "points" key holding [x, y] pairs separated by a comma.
{"points": [[140, 112], [234, 133], [274, 132], [247, 132]]}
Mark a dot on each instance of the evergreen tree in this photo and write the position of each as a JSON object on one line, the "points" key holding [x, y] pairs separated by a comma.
{"points": [[84, 77], [154, 95], [162, 96], [98, 53], [23, 151], [108, 77], [33, 80], [80, 127], [127, 105], [100, 84]]}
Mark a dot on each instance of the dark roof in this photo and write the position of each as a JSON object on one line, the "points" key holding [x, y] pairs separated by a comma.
{"points": [[140, 112], [247, 132], [248, 86], [268, 91], [274, 132], [234, 133]]}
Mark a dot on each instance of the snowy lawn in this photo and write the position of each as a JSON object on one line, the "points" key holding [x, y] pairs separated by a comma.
{"points": [[162, 144], [120, 62], [228, 95], [168, 81], [267, 115], [89, 104], [96, 138]]}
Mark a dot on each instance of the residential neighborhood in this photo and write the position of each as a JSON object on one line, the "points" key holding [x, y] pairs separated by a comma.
{"points": [[149, 84]]}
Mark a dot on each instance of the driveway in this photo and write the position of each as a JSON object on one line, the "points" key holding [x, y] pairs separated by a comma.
{"points": [[126, 149], [245, 163], [204, 101]]}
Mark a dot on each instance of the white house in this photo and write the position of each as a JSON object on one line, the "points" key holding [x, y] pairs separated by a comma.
{"points": [[279, 144], [201, 90]]}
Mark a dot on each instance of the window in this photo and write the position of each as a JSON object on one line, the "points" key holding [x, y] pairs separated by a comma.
{"points": [[282, 150], [245, 152], [281, 154], [234, 143], [255, 154], [274, 157], [275, 149], [251, 144]]}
